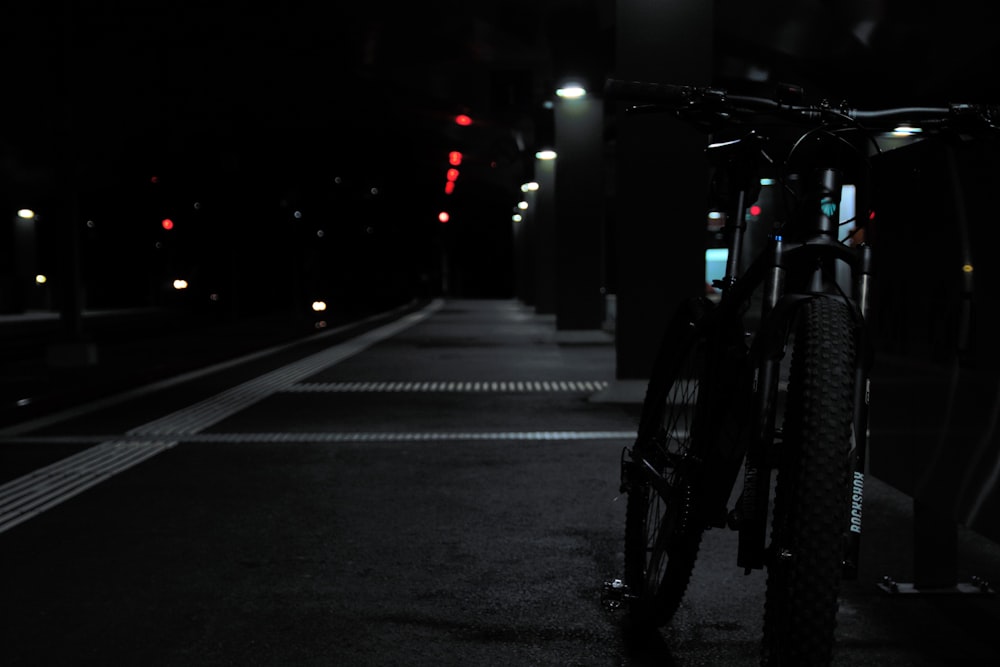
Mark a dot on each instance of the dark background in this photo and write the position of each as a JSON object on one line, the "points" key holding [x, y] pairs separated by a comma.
{"points": [[301, 147]]}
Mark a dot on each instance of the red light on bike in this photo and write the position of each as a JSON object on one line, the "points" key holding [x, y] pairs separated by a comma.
{"points": [[755, 210], [454, 158], [463, 120]]}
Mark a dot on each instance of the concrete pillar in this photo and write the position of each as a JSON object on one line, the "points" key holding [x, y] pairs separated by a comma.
{"points": [[579, 192], [661, 181], [543, 237]]}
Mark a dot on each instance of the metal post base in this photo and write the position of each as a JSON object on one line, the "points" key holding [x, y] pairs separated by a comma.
{"points": [[977, 586]]}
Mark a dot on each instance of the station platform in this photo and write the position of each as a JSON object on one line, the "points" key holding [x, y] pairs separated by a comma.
{"points": [[433, 485]]}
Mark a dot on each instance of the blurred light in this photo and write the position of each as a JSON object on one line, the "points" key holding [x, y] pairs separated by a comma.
{"points": [[714, 215], [167, 223], [444, 217], [455, 158], [154, 179], [26, 214], [318, 306], [755, 210], [374, 191], [41, 279], [546, 155], [516, 217], [463, 120], [967, 268], [321, 324], [767, 181], [180, 283], [297, 215], [906, 131], [571, 92], [523, 205], [529, 187], [449, 187], [453, 174], [213, 296]]}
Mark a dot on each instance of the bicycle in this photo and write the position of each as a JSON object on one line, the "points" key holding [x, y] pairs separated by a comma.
{"points": [[726, 401]]}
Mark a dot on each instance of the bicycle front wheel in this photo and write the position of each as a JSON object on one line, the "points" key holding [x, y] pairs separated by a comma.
{"points": [[662, 532], [811, 492]]}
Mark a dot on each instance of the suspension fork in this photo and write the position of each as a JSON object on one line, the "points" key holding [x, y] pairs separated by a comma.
{"points": [[859, 431], [751, 513]]}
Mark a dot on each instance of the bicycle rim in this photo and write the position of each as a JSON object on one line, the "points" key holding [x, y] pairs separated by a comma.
{"points": [[810, 504]]}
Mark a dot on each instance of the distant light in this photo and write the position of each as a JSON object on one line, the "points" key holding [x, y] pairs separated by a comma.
{"points": [[374, 191], [546, 155], [571, 92], [444, 217], [906, 131], [462, 119], [767, 181], [523, 205], [297, 215], [26, 214], [516, 217], [41, 279], [167, 223], [455, 158], [154, 179], [529, 187], [318, 306], [449, 187], [180, 284], [967, 268], [453, 174], [755, 210]]}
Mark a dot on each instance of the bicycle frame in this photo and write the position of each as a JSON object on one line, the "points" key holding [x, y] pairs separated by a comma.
{"points": [[809, 260]]}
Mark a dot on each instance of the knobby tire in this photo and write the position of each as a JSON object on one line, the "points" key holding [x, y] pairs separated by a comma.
{"points": [[662, 534], [811, 507]]}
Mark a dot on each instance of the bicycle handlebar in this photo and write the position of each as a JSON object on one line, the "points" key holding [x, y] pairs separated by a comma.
{"points": [[720, 105]]}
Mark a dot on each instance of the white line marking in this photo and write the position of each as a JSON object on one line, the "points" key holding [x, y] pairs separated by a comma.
{"points": [[31, 494], [452, 387], [406, 436], [211, 411]]}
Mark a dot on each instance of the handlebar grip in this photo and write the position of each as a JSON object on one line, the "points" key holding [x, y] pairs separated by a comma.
{"points": [[644, 91]]}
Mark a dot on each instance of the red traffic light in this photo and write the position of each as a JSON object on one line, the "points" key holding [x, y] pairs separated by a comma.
{"points": [[454, 158]]}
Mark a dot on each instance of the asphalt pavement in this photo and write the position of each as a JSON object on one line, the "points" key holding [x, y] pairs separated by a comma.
{"points": [[434, 486]]}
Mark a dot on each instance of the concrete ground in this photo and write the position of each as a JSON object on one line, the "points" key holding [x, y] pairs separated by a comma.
{"points": [[433, 487]]}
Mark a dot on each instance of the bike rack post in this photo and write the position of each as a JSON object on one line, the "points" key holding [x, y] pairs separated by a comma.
{"points": [[935, 558]]}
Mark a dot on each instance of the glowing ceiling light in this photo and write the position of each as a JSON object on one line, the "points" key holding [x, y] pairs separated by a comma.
{"points": [[571, 92]]}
